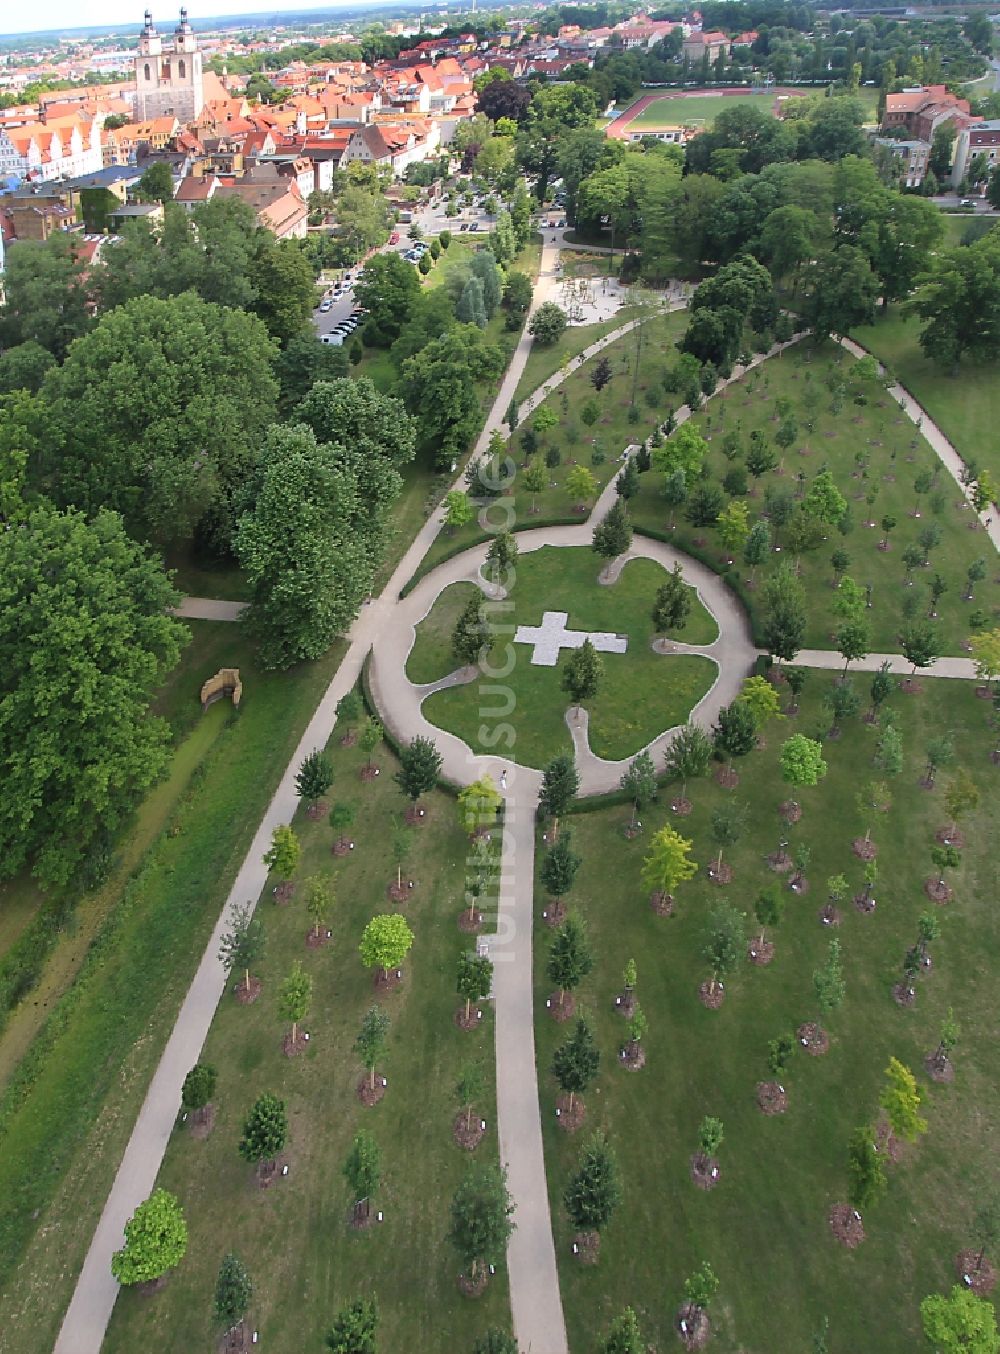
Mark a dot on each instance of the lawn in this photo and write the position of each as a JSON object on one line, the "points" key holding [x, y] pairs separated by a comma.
{"points": [[641, 693], [605, 440], [966, 407], [697, 110], [892, 455], [68, 1109], [764, 1229], [295, 1239], [545, 362]]}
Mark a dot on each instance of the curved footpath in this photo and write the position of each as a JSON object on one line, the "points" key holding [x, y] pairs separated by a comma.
{"points": [[534, 1282]]}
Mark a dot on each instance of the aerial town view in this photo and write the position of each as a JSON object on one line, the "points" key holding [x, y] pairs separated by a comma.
{"points": [[500, 699]]}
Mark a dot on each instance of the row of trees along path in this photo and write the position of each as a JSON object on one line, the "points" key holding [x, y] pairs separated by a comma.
{"points": [[534, 1284]]}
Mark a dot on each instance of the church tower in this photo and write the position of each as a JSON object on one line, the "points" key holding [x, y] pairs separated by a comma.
{"points": [[168, 79]]}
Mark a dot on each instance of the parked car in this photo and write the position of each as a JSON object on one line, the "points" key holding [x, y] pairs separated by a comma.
{"points": [[324, 306], [336, 340], [394, 237], [967, 202]]}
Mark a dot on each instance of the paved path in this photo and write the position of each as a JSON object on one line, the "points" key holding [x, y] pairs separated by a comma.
{"points": [[209, 609], [943, 448], [531, 1255], [963, 668]]}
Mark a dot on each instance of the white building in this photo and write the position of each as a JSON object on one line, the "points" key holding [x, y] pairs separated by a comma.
{"points": [[168, 78]]}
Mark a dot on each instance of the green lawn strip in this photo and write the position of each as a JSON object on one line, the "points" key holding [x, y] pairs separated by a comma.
{"points": [[545, 362], [780, 1175], [574, 441], [48, 950], [197, 575], [836, 439], [431, 656], [294, 1239], [69, 1109], [966, 406], [641, 693]]}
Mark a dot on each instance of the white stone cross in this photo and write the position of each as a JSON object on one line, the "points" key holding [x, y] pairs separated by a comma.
{"points": [[552, 635]]}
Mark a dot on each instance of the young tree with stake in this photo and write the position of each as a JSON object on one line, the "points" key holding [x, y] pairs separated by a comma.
{"points": [[725, 943], [197, 1090], [385, 943], [639, 783], [668, 863], [314, 778], [560, 782], [594, 1191], [559, 867], [363, 1172], [294, 998], [480, 1221], [581, 674], [264, 1132], [243, 945], [233, 1291], [419, 767], [354, 1328], [575, 1062], [282, 857], [570, 957], [687, 757], [371, 1041], [474, 981]]}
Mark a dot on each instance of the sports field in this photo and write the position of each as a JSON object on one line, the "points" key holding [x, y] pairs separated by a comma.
{"points": [[692, 108]]}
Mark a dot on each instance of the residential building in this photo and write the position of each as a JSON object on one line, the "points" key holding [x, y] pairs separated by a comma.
{"points": [[910, 159], [699, 44], [979, 138]]}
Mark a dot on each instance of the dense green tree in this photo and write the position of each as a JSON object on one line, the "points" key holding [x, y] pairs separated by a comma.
{"points": [[559, 866], [159, 413], [242, 945], [439, 386], [294, 997], [419, 766], [385, 942], [960, 1323], [581, 673], [865, 1168], [354, 1328], [639, 783], [85, 640], [474, 980], [23, 367], [198, 1087], [735, 731], [314, 777], [371, 1040], [624, 1335], [560, 782], [901, 1101], [672, 604], [548, 324], [840, 292], [233, 1290], [688, 755], [388, 289], [265, 1130], [45, 294], [570, 957], [784, 614], [725, 941], [363, 1170], [156, 1238], [480, 1218], [575, 1062], [495, 1341], [613, 534], [308, 581], [469, 637], [594, 1190]]}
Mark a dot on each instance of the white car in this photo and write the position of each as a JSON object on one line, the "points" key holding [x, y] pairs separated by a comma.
{"points": [[335, 339]]}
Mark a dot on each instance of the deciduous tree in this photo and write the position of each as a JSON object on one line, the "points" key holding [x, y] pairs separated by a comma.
{"points": [[575, 1062], [156, 1238], [385, 942], [570, 957], [480, 1218]]}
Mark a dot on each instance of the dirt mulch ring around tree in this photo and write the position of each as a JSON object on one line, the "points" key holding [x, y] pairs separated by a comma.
{"points": [[693, 1326], [342, 846], [631, 830], [317, 810], [290, 1047], [780, 862], [246, 996], [950, 837], [201, 1122], [721, 874], [726, 778], [284, 892], [370, 772], [569, 1120], [315, 940], [772, 1098], [470, 1021], [561, 1011], [368, 1094], [833, 734], [554, 912], [904, 995], [911, 687], [467, 1134], [470, 925], [474, 1288], [760, 952], [790, 711], [939, 1068], [829, 915], [415, 815], [587, 1247], [399, 893], [886, 1141], [349, 738], [984, 693], [864, 850], [662, 903], [799, 885], [863, 903], [625, 1002], [632, 1056], [846, 1225], [236, 1340], [682, 807], [978, 1276], [704, 1171], [813, 1039], [387, 980], [268, 1172], [710, 996], [938, 891]]}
